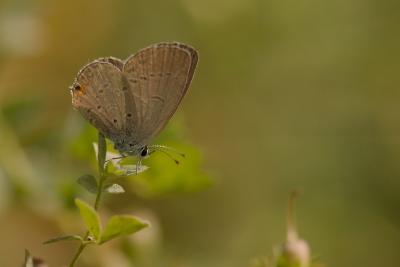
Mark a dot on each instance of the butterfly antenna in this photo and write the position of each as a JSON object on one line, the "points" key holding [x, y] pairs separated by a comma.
{"points": [[166, 153], [167, 148], [120, 157]]}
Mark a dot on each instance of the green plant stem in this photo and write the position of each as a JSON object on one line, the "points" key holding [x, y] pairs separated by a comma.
{"points": [[96, 207], [77, 254], [101, 159], [99, 191]]}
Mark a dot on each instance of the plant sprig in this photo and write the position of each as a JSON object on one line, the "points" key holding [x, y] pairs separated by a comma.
{"points": [[117, 225]]}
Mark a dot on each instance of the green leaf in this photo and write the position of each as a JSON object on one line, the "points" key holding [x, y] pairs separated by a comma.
{"points": [[90, 217], [114, 189], [121, 225], [102, 152], [63, 238], [88, 182]]}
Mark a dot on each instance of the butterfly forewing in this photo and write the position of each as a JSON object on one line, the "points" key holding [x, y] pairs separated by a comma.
{"points": [[131, 102], [96, 95], [158, 78], [112, 60]]}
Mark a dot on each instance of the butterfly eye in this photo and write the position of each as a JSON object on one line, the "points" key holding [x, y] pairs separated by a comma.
{"points": [[77, 87], [144, 152]]}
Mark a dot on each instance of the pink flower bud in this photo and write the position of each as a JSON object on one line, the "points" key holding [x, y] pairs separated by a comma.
{"points": [[295, 251]]}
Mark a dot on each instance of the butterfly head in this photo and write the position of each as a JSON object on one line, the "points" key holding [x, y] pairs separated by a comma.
{"points": [[132, 149]]}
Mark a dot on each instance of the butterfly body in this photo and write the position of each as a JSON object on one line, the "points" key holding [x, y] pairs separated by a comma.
{"points": [[131, 101]]}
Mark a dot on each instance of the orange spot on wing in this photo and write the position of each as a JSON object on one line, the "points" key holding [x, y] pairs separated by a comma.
{"points": [[78, 90]]}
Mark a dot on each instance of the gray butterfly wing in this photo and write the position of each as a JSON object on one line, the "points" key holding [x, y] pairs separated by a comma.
{"points": [[97, 94], [157, 78]]}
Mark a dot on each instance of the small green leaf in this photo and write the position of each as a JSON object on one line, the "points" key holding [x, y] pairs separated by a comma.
{"points": [[102, 152], [64, 238], [121, 225], [88, 182], [114, 189], [90, 217]]}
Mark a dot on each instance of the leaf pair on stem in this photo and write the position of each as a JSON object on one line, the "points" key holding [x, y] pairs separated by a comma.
{"points": [[117, 226]]}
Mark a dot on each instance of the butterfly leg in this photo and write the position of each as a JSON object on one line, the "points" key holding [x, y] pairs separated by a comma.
{"points": [[138, 166], [120, 157]]}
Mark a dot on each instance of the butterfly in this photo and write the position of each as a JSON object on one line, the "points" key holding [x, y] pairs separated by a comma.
{"points": [[131, 101]]}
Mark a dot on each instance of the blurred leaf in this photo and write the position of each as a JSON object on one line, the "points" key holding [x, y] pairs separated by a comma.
{"points": [[67, 191], [16, 112], [63, 238], [89, 183], [121, 225], [166, 177], [260, 262], [114, 189], [90, 217], [80, 145], [282, 262]]}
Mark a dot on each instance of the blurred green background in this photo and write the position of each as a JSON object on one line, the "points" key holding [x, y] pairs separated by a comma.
{"points": [[287, 94]]}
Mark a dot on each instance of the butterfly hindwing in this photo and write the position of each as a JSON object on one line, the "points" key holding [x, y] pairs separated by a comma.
{"points": [[158, 78]]}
